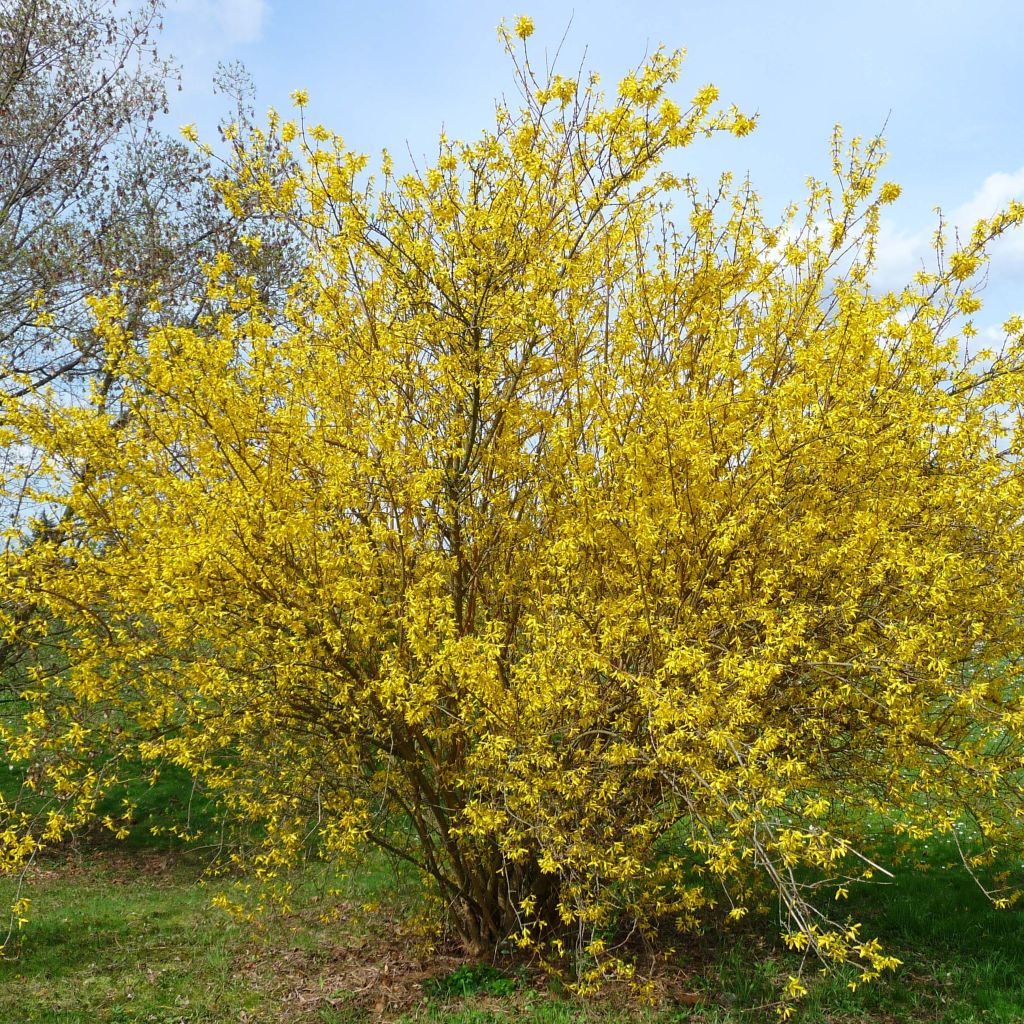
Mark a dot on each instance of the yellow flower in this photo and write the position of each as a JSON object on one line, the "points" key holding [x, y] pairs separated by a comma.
{"points": [[300, 97], [889, 192], [795, 988], [963, 264], [546, 506]]}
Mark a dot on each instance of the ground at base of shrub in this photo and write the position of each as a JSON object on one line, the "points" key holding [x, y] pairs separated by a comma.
{"points": [[130, 937]]}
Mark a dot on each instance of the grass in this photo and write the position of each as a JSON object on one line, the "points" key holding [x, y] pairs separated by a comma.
{"points": [[118, 940], [128, 935], [125, 933], [118, 936]]}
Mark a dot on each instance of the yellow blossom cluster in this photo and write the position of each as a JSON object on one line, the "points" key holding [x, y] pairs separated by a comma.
{"points": [[596, 557]]}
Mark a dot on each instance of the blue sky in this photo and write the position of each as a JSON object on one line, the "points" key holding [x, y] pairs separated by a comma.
{"points": [[947, 75]]}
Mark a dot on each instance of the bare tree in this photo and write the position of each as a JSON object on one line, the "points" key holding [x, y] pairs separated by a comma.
{"points": [[88, 186], [76, 78]]}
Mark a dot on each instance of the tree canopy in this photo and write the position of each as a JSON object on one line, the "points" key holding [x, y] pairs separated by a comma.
{"points": [[599, 546], [92, 190]]}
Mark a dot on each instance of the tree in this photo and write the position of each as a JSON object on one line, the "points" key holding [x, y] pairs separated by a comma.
{"points": [[90, 189], [75, 76], [595, 562]]}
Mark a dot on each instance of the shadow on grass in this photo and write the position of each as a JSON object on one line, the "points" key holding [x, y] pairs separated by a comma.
{"points": [[117, 939], [963, 959], [129, 936]]}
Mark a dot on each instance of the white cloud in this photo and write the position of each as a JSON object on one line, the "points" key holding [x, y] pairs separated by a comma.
{"points": [[996, 191], [241, 20], [901, 253], [233, 21]]}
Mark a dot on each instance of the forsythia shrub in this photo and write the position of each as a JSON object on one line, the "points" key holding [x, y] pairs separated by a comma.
{"points": [[588, 541]]}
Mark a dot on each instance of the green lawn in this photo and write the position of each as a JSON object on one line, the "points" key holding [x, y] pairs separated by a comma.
{"points": [[128, 935]]}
